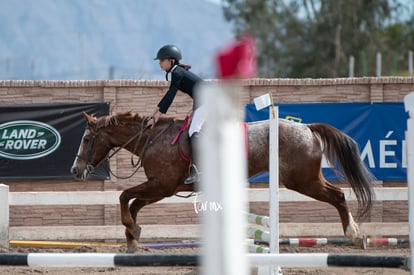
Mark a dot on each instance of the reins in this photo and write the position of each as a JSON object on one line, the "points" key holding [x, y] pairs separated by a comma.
{"points": [[152, 137], [138, 138], [147, 142]]}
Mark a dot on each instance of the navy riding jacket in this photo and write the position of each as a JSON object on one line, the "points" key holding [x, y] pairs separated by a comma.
{"points": [[184, 81]]}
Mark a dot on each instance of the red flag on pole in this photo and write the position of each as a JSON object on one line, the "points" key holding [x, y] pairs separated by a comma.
{"points": [[238, 60]]}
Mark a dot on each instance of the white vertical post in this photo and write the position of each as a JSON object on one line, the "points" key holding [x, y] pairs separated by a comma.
{"points": [[260, 103], [409, 137], [4, 215], [410, 62], [351, 66], [224, 182], [274, 183], [379, 64]]}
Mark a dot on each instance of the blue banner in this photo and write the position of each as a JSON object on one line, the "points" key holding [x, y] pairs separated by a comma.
{"points": [[378, 128]]}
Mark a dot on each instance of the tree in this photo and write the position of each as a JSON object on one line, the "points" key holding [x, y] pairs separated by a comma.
{"points": [[314, 38]]}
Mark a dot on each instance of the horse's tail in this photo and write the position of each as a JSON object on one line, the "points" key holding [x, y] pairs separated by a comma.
{"points": [[342, 151]]}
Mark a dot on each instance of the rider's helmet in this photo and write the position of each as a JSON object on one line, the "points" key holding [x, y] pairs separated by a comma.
{"points": [[169, 52]]}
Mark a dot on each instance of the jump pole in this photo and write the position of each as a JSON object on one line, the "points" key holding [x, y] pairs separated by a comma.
{"points": [[263, 236], [409, 137], [112, 260], [96, 259]]}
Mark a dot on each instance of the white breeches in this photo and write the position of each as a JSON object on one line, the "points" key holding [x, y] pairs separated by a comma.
{"points": [[197, 120]]}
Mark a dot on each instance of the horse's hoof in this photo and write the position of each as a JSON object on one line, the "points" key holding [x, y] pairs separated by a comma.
{"points": [[361, 242], [132, 246], [134, 233], [364, 242]]}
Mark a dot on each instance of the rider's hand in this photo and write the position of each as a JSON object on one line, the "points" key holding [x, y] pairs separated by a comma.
{"points": [[154, 119]]}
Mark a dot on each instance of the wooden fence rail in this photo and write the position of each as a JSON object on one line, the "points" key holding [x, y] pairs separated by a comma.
{"points": [[191, 231]]}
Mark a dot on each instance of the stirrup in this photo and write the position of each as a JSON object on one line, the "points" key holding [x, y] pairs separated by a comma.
{"points": [[193, 177]]}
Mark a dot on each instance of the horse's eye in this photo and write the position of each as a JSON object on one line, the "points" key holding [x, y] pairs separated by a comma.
{"points": [[86, 140]]}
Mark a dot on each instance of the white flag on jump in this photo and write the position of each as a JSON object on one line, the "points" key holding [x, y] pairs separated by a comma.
{"points": [[262, 101]]}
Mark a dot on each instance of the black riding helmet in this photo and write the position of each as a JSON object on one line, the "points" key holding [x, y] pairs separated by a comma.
{"points": [[169, 52]]}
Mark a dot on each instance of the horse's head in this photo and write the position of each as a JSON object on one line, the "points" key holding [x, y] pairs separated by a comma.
{"points": [[93, 149]]}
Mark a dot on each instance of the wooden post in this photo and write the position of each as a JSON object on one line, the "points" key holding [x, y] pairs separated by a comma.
{"points": [[4, 215]]}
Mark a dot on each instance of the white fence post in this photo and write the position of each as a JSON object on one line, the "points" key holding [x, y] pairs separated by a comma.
{"points": [[351, 65], [274, 183], [224, 182], [379, 64], [4, 215], [409, 137]]}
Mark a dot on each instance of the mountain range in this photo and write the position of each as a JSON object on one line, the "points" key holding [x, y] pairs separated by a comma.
{"points": [[105, 39]]}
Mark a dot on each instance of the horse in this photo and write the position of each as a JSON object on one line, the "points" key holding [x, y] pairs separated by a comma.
{"points": [[301, 148]]}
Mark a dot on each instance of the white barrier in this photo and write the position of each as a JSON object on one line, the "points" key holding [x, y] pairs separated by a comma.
{"points": [[112, 197], [171, 231]]}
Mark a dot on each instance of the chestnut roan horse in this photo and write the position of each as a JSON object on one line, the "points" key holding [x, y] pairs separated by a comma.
{"points": [[301, 147]]}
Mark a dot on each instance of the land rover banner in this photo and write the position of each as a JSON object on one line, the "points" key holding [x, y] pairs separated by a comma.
{"points": [[40, 141]]}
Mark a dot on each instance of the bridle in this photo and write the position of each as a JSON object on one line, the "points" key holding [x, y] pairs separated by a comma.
{"points": [[138, 136], [89, 164]]}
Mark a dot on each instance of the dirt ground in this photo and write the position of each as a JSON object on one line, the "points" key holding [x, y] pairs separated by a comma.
{"points": [[398, 251]]}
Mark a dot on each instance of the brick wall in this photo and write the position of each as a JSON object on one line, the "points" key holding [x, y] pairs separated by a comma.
{"points": [[142, 96]]}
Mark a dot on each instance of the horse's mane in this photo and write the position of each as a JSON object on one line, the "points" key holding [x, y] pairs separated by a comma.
{"points": [[123, 118], [117, 119]]}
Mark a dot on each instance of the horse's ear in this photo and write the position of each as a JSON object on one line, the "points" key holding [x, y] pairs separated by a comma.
{"points": [[89, 119]]}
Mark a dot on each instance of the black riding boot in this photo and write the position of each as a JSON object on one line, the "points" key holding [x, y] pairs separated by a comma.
{"points": [[194, 173]]}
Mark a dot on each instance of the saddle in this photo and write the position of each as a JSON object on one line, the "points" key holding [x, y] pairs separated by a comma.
{"points": [[183, 128]]}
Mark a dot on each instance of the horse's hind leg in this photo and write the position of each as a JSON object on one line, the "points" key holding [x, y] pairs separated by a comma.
{"points": [[326, 192]]}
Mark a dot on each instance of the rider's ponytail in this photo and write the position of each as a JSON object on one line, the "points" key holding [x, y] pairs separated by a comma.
{"points": [[185, 66]]}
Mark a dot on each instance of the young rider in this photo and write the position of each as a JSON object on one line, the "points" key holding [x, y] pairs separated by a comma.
{"points": [[182, 79]]}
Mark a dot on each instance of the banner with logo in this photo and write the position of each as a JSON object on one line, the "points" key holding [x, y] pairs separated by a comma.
{"points": [[378, 128], [40, 141]]}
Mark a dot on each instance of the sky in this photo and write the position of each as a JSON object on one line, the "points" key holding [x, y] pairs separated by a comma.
{"points": [[218, 2], [95, 39]]}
